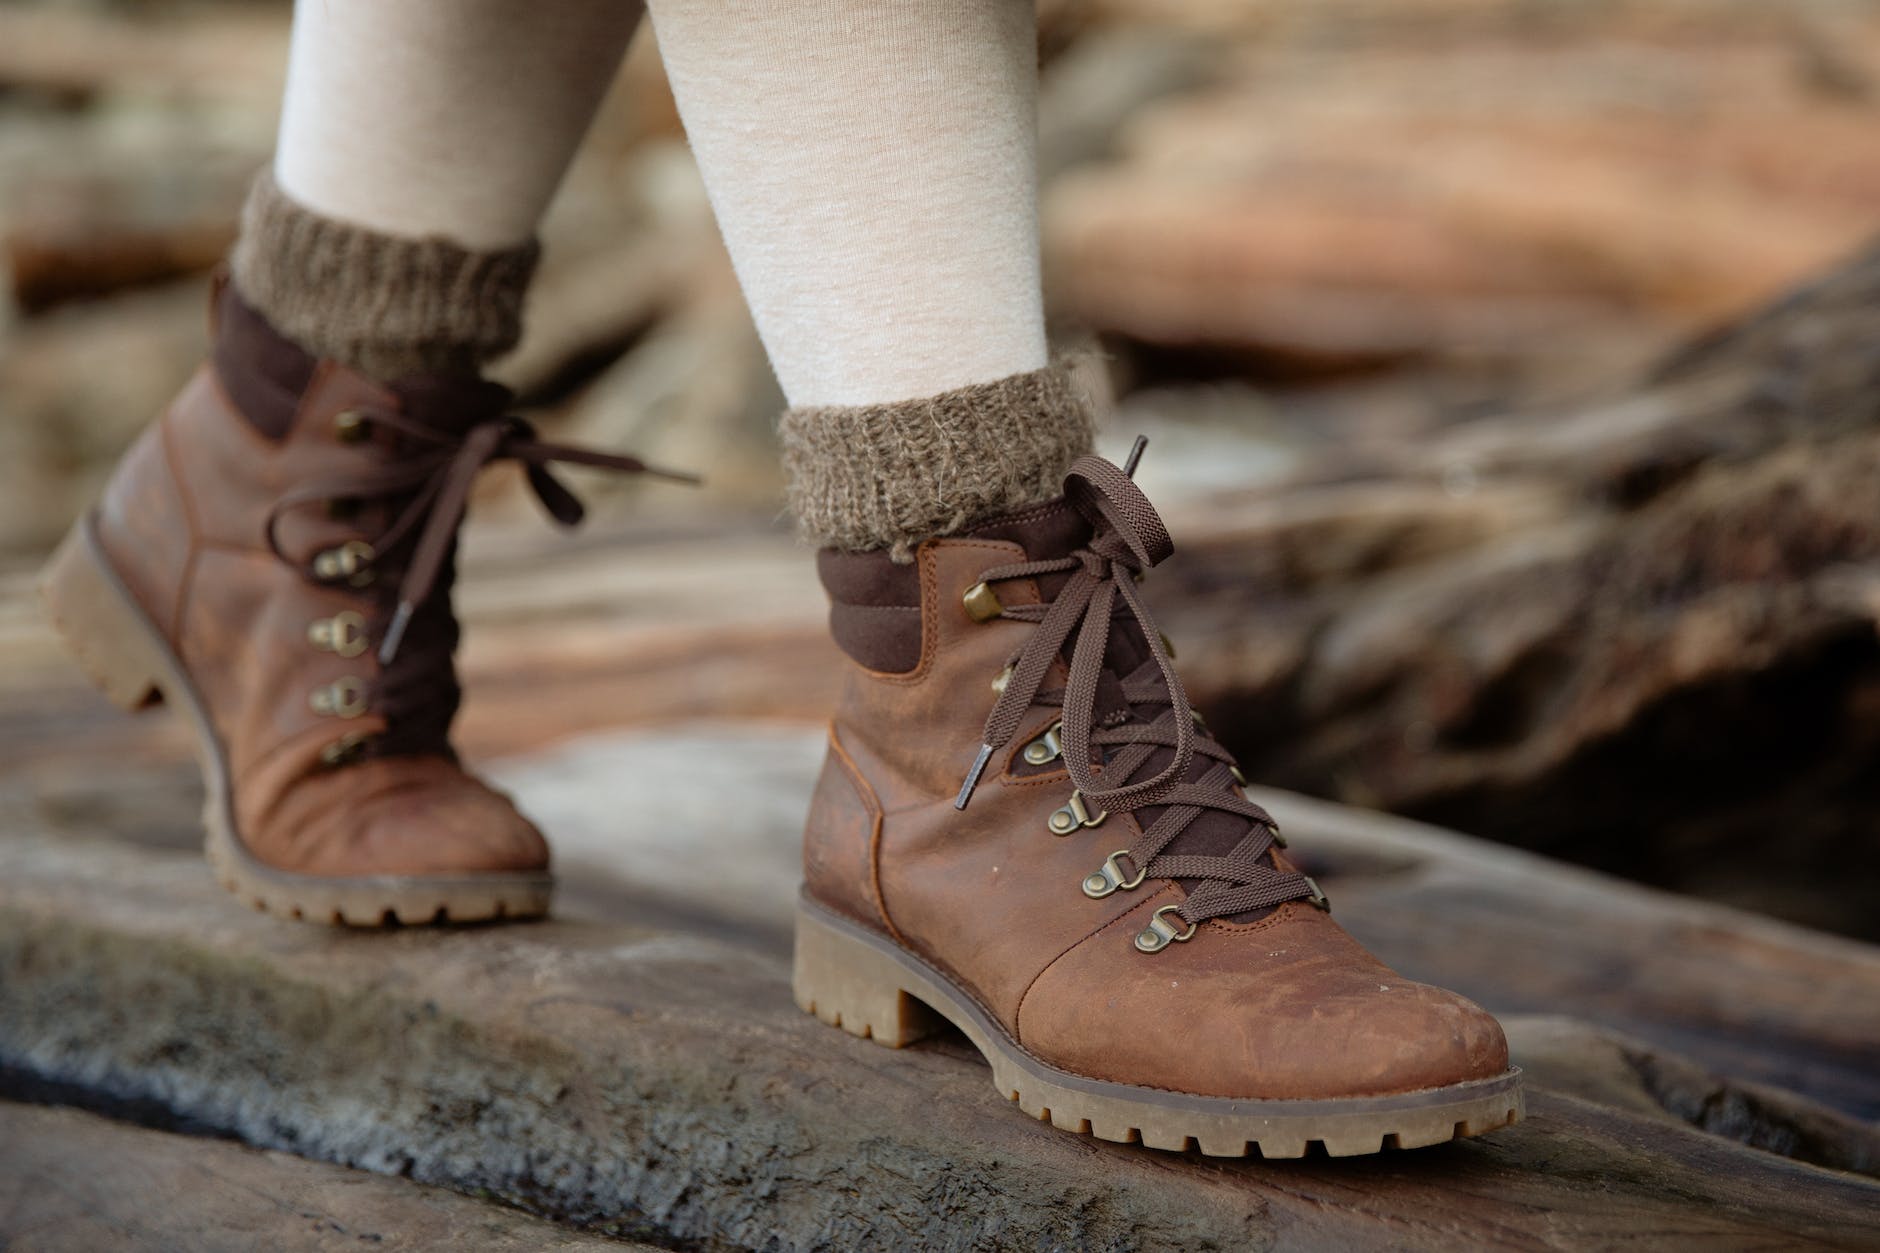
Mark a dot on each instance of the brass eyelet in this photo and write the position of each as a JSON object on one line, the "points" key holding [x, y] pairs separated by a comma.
{"points": [[1168, 645], [1046, 748], [1160, 933], [343, 633], [351, 426], [344, 697], [351, 561], [982, 603], [1073, 815], [345, 749], [1318, 899], [1112, 877], [1004, 677]]}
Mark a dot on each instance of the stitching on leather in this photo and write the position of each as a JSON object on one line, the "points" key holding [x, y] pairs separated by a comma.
{"points": [[872, 803], [1011, 1036], [929, 603], [1019, 1009], [1285, 912], [1003, 548], [173, 629], [929, 609], [959, 985], [249, 435], [1052, 779], [1031, 515]]}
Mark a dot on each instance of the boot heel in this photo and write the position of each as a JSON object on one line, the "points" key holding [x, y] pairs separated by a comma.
{"points": [[847, 984], [93, 614]]}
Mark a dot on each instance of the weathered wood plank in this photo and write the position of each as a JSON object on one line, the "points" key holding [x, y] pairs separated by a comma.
{"points": [[655, 1078], [74, 1181]]}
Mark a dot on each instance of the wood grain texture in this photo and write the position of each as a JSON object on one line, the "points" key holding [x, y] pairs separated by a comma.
{"points": [[74, 1181], [650, 1077]]}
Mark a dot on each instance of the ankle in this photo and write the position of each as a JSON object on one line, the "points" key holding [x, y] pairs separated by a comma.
{"points": [[388, 306], [870, 477]]}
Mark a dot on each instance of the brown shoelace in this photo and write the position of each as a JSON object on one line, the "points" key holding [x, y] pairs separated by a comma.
{"points": [[433, 475], [1100, 596]]}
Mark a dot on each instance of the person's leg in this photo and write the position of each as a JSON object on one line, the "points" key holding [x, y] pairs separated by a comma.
{"points": [[419, 146], [274, 555], [1019, 822], [873, 171]]}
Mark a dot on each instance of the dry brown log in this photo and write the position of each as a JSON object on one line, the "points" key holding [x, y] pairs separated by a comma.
{"points": [[77, 1181], [76, 385], [1640, 634], [227, 52], [636, 1066], [1368, 184]]}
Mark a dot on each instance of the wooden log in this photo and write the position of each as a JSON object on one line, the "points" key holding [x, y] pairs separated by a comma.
{"points": [[73, 1180], [1372, 183], [653, 1078], [1640, 633], [233, 53]]}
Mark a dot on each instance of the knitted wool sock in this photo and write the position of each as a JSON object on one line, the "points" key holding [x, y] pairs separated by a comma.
{"points": [[387, 305], [862, 477]]}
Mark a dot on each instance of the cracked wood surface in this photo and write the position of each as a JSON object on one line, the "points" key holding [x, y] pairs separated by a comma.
{"points": [[75, 1181], [636, 1065]]}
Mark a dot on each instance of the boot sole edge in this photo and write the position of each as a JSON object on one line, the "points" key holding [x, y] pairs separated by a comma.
{"points": [[869, 986], [127, 659]]}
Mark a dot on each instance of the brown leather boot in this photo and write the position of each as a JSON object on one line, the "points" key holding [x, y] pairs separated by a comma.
{"points": [[274, 559], [1022, 826]]}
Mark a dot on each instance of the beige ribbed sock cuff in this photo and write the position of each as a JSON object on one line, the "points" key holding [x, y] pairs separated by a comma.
{"points": [[888, 476], [389, 306]]}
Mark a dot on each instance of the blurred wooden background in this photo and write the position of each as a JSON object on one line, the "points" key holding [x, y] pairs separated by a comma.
{"points": [[1393, 283]]}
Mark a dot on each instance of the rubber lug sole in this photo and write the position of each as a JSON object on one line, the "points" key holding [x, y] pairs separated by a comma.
{"points": [[128, 660], [870, 987]]}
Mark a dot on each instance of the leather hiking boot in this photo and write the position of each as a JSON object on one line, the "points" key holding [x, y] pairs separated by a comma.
{"points": [[1022, 828], [274, 558]]}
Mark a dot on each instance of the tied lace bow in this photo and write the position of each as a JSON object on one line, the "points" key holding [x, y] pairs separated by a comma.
{"points": [[442, 476], [1128, 538], [429, 484]]}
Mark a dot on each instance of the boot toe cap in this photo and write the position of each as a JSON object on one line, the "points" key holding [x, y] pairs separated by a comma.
{"points": [[404, 817], [1295, 1010]]}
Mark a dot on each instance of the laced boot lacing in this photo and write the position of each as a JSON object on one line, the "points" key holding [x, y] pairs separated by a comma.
{"points": [[414, 628], [1129, 537]]}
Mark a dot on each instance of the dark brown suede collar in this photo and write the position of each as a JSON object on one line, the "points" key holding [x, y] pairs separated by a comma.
{"points": [[874, 602]]}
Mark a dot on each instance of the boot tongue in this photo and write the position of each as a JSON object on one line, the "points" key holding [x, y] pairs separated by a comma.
{"points": [[451, 405], [1054, 530], [1048, 531]]}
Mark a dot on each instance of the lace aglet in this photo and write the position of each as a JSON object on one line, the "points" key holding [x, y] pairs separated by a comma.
{"points": [[674, 476], [395, 634], [1135, 455], [972, 776]]}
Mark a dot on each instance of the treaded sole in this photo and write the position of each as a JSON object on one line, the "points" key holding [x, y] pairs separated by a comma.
{"points": [[127, 659], [870, 987]]}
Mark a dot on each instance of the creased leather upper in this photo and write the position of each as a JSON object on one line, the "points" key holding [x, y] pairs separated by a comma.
{"points": [[182, 523], [1288, 1006]]}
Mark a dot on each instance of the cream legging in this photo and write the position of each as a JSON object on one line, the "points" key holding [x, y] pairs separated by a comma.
{"points": [[872, 163]]}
